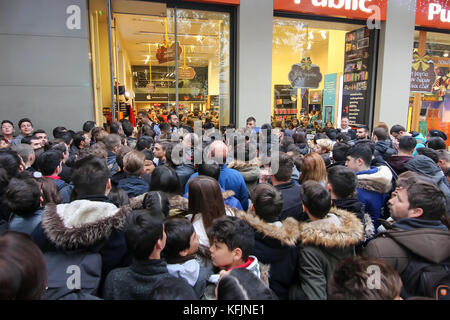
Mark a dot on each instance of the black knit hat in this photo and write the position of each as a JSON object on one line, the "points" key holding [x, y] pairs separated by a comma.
{"points": [[437, 133]]}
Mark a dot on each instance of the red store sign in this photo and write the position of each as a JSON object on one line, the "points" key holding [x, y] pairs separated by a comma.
{"points": [[433, 14], [350, 9]]}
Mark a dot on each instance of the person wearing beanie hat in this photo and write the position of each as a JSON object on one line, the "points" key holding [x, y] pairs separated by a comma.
{"points": [[437, 133]]}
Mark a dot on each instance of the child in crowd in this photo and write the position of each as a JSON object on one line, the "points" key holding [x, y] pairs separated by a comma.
{"points": [[232, 241], [181, 246], [145, 238]]}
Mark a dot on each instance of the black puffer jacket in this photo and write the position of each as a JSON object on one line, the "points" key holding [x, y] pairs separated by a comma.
{"points": [[384, 149]]}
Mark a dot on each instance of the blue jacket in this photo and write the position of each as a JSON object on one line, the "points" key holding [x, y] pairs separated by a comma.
{"points": [[292, 201], [26, 224], [230, 179], [112, 163], [372, 188], [133, 186], [65, 190]]}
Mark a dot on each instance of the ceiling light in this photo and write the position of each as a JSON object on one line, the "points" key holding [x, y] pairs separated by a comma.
{"points": [[148, 58], [311, 35], [324, 34], [309, 46], [445, 54]]}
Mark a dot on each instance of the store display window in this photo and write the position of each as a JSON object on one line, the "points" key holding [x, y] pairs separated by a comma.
{"points": [[321, 71], [429, 103]]}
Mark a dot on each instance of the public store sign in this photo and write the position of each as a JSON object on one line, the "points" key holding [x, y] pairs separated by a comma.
{"points": [[433, 14], [350, 9]]}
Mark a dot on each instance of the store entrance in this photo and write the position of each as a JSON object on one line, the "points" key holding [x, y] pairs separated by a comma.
{"points": [[163, 60]]}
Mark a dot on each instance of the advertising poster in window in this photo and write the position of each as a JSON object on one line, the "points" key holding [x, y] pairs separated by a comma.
{"points": [[358, 75]]}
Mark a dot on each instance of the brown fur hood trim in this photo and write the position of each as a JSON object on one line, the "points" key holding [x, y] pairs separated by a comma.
{"points": [[82, 223], [137, 202], [339, 228], [378, 182], [288, 234], [239, 164], [178, 202]]}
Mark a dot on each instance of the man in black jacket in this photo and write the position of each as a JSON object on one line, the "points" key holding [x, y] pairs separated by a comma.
{"points": [[291, 191], [382, 144]]}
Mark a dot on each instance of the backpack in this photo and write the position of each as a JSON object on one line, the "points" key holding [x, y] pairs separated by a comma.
{"points": [[73, 275], [426, 279]]}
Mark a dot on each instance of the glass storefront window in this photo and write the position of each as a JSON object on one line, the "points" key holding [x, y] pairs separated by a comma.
{"points": [[311, 61], [430, 89], [145, 66]]}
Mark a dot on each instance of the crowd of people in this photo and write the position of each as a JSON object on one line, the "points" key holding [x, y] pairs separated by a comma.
{"points": [[173, 210]]}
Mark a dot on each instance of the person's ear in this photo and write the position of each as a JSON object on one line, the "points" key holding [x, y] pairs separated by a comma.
{"points": [[329, 187], [360, 162], [252, 209], [237, 254], [415, 213]]}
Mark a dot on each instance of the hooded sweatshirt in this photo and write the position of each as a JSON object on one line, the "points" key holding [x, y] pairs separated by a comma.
{"points": [[383, 148], [425, 166]]}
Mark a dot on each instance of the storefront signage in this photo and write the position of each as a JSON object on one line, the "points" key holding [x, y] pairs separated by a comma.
{"points": [[305, 74], [186, 73], [351, 9], [167, 53], [356, 102], [433, 14], [228, 2], [423, 75]]}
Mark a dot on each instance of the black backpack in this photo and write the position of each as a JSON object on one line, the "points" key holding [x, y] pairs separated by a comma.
{"points": [[423, 278], [73, 275]]}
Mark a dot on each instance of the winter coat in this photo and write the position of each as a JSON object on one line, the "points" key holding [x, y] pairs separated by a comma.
{"points": [[357, 207], [133, 186], [398, 163], [191, 271], [65, 190], [275, 245], [383, 148], [83, 224], [428, 239], [112, 163], [184, 171], [26, 224], [136, 281], [17, 140], [292, 201], [324, 243], [230, 179], [372, 187], [249, 170], [425, 166]]}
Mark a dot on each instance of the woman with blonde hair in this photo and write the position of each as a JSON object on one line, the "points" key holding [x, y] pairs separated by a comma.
{"points": [[313, 168], [323, 146]]}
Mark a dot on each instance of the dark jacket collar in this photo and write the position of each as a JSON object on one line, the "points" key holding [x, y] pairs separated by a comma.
{"points": [[412, 224], [285, 185], [149, 267]]}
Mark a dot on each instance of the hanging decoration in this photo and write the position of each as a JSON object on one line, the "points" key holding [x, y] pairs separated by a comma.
{"points": [[150, 87], [423, 74], [166, 51], [185, 72], [305, 74]]}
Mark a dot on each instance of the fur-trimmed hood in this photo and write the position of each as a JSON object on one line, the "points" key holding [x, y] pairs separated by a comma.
{"points": [[287, 234], [82, 223], [239, 164], [339, 228], [377, 179]]}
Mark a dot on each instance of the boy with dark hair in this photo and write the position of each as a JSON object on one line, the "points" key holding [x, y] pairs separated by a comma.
{"points": [[128, 130], [23, 198], [351, 278], [382, 144], [133, 165], [328, 238], [436, 143], [232, 242], [50, 165], [8, 131], [144, 143], [409, 244], [90, 222], [430, 153], [339, 153], [373, 182], [113, 143], [27, 154], [406, 147], [181, 246], [275, 240], [33, 141], [145, 238], [42, 135], [342, 187], [398, 131], [291, 191]]}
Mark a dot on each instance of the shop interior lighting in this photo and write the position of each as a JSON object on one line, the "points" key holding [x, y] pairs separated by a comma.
{"points": [[445, 54], [324, 34]]}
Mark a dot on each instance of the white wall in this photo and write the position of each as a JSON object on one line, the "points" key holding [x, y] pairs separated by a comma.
{"points": [[254, 61], [394, 66]]}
